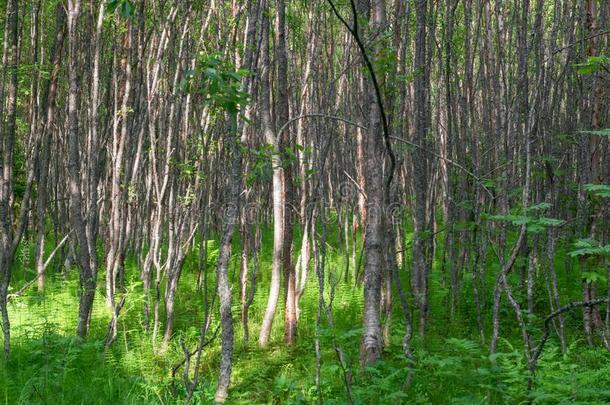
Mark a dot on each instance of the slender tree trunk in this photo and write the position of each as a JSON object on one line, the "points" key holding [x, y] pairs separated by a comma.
{"points": [[222, 269], [374, 239], [9, 239], [421, 236], [77, 217], [277, 193], [49, 96], [290, 315]]}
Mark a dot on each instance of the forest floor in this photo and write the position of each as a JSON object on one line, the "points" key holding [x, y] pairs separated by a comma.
{"points": [[49, 365]]}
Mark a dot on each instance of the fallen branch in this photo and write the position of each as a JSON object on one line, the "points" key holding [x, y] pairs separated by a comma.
{"points": [[112, 326], [553, 315], [207, 342], [547, 332], [44, 267], [501, 285]]}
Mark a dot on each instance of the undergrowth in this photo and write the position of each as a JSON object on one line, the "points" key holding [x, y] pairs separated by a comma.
{"points": [[49, 365]]}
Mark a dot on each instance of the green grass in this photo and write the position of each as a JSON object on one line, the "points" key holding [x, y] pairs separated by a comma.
{"points": [[48, 365]]}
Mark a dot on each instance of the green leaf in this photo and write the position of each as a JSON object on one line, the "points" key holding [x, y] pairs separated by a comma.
{"points": [[535, 228], [126, 6], [112, 5], [489, 183], [586, 68], [539, 207], [550, 221], [600, 190], [589, 247], [126, 9], [592, 277], [513, 219], [592, 64], [598, 132]]}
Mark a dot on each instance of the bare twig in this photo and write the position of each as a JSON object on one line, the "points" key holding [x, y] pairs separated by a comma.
{"points": [[318, 115], [563, 48], [360, 190], [451, 162]]}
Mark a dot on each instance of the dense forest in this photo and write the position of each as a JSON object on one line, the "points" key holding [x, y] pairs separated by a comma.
{"points": [[310, 201]]}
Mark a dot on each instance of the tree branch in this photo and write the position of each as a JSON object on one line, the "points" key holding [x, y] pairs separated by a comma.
{"points": [[369, 66]]}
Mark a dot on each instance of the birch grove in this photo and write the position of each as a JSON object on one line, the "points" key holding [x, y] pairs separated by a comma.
{"points": [[349, 181]]}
